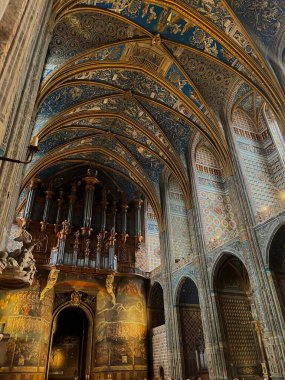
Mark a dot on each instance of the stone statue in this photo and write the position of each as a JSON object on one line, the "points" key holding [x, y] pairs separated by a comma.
{"points": [[110, 287], [19, 264]]}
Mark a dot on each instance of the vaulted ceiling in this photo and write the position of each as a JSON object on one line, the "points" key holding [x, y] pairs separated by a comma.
{"points": [[128, 82]]}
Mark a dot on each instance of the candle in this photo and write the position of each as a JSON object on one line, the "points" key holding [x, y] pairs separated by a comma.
{"points": [[35, 141]]}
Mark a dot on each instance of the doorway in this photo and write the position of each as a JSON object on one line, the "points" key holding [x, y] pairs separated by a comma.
{"points": [[67, 359], [235, 304], [191, 330]]}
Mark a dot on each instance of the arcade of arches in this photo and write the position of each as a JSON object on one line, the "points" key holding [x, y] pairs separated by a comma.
{"points": [[142, 189]]}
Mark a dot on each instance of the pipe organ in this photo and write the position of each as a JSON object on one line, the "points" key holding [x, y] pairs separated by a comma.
{"points": [[83, 224]]}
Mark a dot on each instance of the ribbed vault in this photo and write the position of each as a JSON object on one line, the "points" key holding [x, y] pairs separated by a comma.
{"points": [[127, 84]]}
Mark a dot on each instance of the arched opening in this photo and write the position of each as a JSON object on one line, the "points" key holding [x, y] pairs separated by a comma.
{"points": [[158, 340], [236, 307], [277, 264], [156, 307], [68, 354], [193, 345]]}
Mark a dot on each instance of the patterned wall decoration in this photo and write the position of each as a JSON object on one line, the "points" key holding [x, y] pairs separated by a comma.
{"points": [[27, 321], [260, 164], [242, 347], [215, 204], [193, 340], [241, 341], [191, 328], [159, 347], [152, 240], [180, 234]]}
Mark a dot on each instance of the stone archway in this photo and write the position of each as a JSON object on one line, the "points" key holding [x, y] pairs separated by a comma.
{"points": [[235, 306], [277, 265], [70, 344], [67, 358], [158, 340], [191, 330]]}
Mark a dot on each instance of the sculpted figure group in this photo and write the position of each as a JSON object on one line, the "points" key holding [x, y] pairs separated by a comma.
{"points": [[20, 263]]}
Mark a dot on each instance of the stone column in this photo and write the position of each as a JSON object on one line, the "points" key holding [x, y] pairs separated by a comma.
{"points": [[124, 208], [171, 321], [211, 322], [27, 28], [138, 204], [267, 306]]}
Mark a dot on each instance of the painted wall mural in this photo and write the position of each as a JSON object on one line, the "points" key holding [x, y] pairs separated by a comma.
{"points": [[27, 322], [121, 328]]}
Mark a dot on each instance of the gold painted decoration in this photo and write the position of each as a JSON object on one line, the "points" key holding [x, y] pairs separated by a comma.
{"points": [[75, 298]]}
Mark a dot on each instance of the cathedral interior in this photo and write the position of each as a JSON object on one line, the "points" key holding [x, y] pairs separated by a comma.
{"points": [[142, 189]]}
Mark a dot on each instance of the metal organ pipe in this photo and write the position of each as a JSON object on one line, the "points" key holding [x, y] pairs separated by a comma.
{"points": [[114, 213], [60, 201], [31, 198], [104, 205], [49, 193], [72, 198]]}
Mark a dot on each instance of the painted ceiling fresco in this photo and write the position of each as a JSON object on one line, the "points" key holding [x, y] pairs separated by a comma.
{"points": [[128, 83], [263, 18]]}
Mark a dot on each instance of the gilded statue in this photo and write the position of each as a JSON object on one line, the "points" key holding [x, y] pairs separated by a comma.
{"points": [[75, 298]]}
